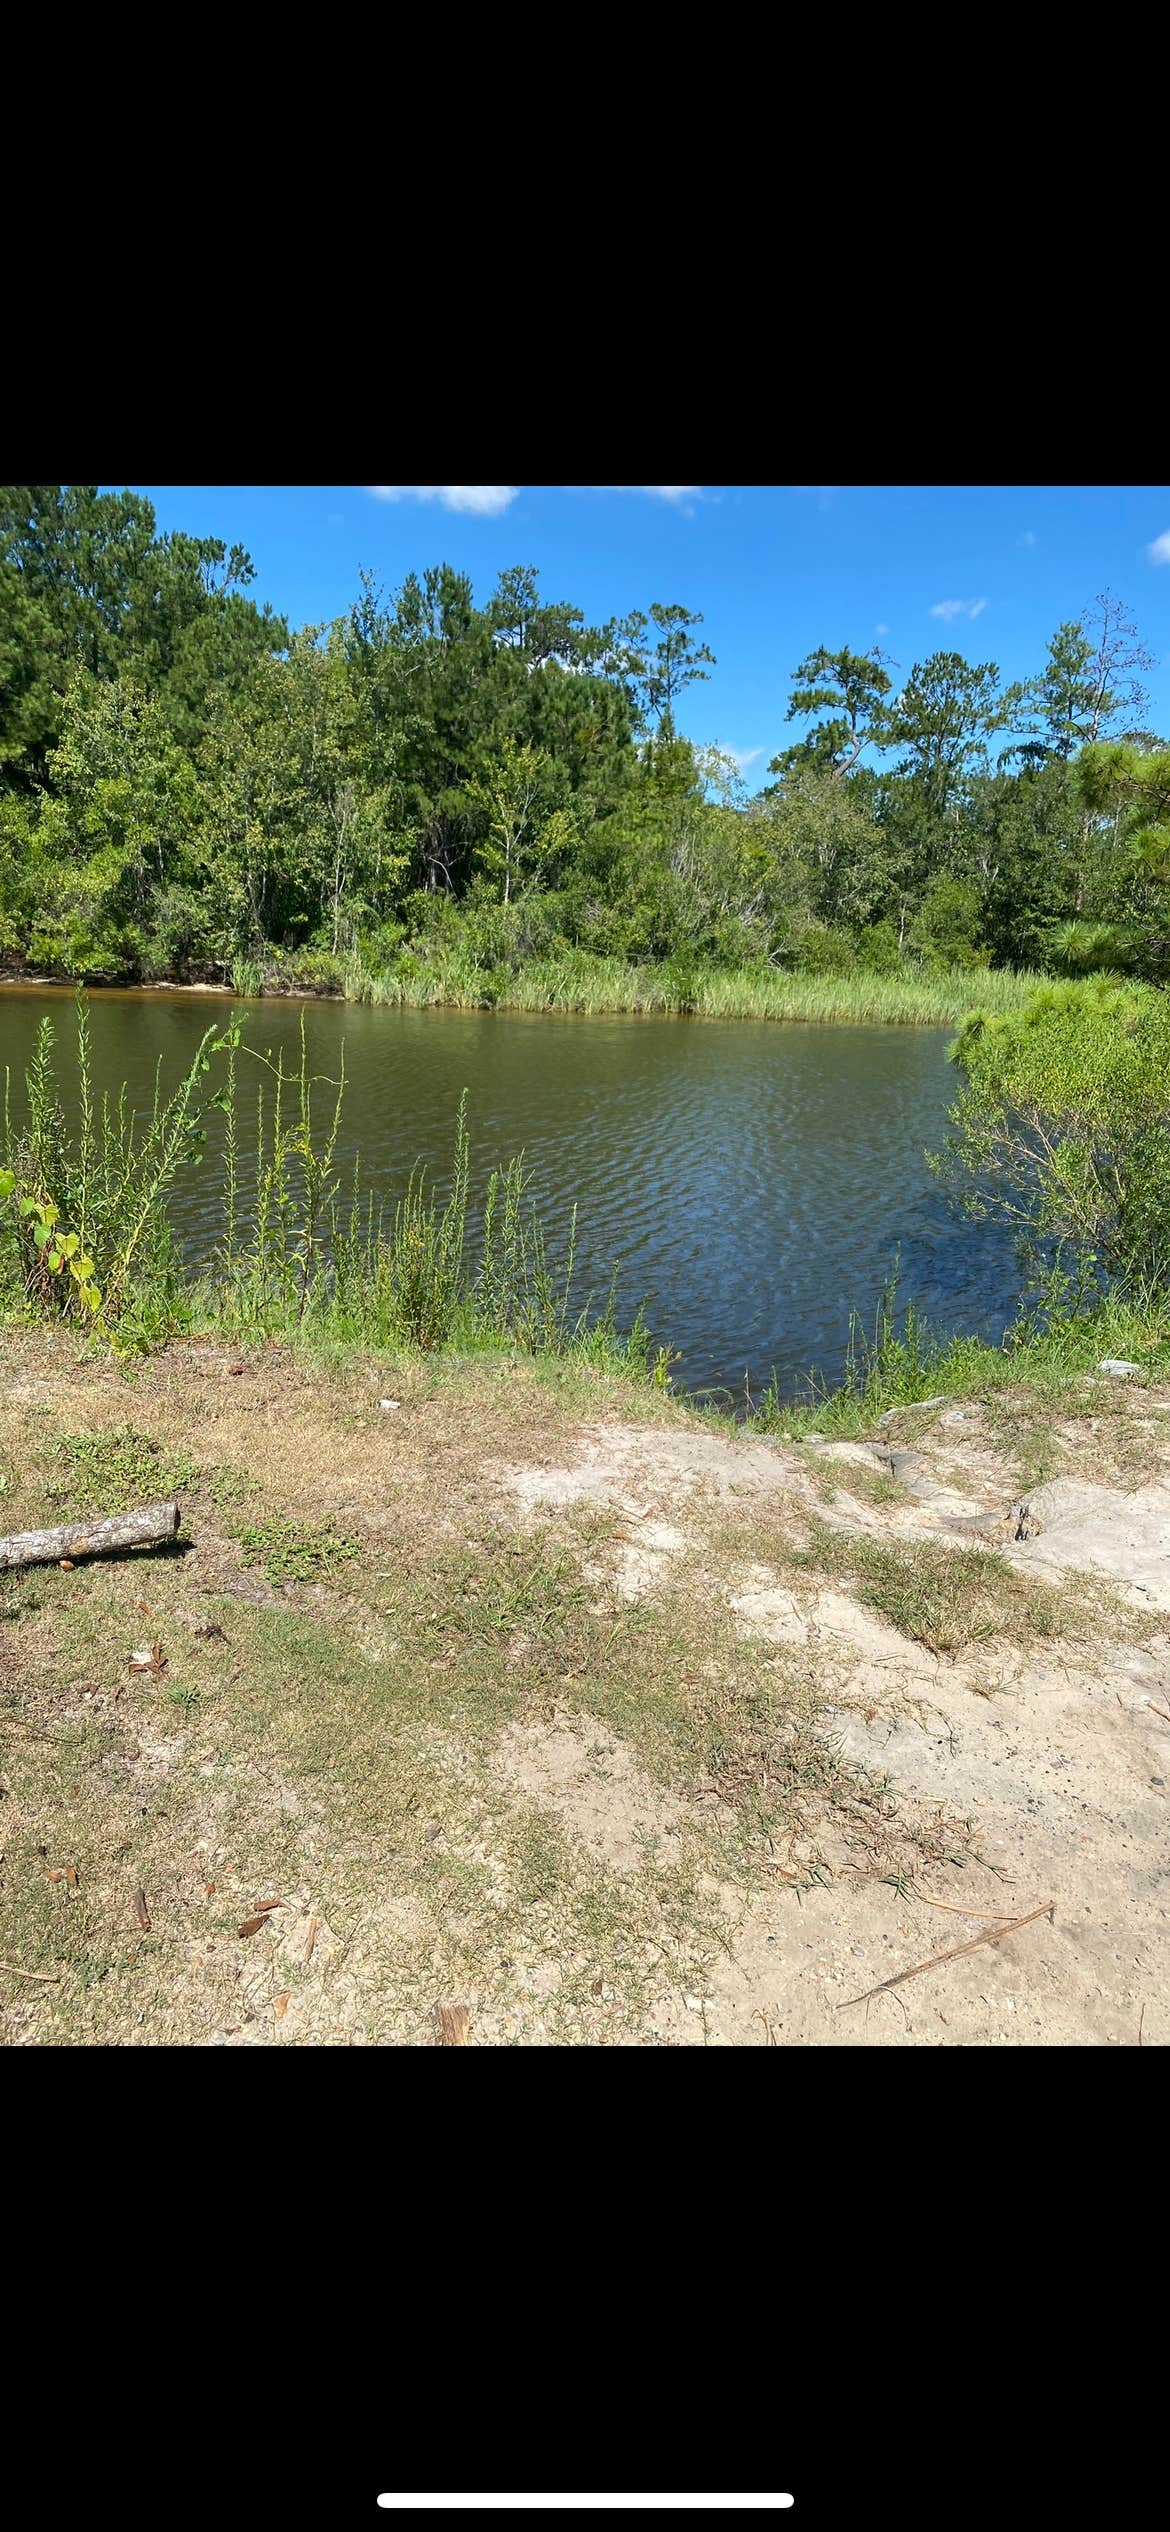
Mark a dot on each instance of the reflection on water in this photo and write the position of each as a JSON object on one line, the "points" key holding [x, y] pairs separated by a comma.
{"points": [[754, 1180]]}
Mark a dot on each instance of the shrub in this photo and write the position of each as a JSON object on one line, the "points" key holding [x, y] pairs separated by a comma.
{"points": [[947, 928], [1063, 1129], [825, 951], [879, 949]]}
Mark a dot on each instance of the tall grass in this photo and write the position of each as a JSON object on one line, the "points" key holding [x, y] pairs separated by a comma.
{"points": [[325, 1258], [104, 1177], [298, 1253], [575, 981]]}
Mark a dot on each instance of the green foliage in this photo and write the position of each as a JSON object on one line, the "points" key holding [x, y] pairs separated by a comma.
{"points": [[944, 717], [107, 1176], [851, 689], [826, 951], [947, 929], [191, 790], [292, 1551], [1063, 1129], [106, 1471]]}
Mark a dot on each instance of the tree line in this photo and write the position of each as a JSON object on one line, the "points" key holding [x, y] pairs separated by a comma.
{"points": [[191, 788]]}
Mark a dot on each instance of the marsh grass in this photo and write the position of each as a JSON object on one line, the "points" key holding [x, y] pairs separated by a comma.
{"points": [[576, 981], [323, 1261]]}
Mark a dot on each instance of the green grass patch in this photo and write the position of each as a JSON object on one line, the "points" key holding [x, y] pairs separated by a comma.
{"points": [[112, 1472], [297, 1552], [575, 981]]}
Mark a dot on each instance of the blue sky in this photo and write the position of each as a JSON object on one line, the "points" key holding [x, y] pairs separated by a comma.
{"points": [[773, 569]]}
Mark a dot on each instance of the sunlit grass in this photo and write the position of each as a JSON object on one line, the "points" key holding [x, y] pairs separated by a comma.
{"points": [[576, 982]]}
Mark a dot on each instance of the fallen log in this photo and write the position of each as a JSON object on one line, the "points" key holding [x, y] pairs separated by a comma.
{"points": [[156, 1521]]}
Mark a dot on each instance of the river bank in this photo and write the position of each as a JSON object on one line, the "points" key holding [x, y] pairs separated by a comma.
{"points": [[597, 988], [630, 1731]]}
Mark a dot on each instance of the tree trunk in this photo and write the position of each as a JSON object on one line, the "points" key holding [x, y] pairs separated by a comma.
{"points": [[156, 1521]]}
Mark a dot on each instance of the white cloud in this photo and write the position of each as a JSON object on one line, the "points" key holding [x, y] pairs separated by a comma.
{"points": [[679, 496], [1159, 551], [1027, 540], [477, 501], [948, 608], [745, 756], [657, 492], [489, 501], [881, 628]]}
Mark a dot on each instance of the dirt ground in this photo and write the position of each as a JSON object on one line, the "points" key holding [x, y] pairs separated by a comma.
{"points": [[520, 1690]]}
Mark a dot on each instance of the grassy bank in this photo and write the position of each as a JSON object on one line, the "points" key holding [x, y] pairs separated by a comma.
{"points": [[593, 986], [590, 987], [86, 1235], [900, 1363]]}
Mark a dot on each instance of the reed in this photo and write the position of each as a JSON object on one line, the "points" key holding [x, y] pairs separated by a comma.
{"points": [[575, 981]]}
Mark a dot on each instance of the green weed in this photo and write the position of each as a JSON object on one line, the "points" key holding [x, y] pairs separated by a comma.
{"points": [[291, 1551], [106, 1472]]}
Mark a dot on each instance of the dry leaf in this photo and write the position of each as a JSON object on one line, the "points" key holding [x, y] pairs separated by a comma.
{"points": [[71, 1876], [234, 1370], [209, 1889], [454, 2023], [153, 1660], [66, 1564], [141, 1910], [252, 1925], [55, 1876], [264, 1907], [435, 1830], [311, 1941], [280, 2007]]}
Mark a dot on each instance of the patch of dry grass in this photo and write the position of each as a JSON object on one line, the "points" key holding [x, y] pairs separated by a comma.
{"points": [[951, 1598], [1100, 1430]]}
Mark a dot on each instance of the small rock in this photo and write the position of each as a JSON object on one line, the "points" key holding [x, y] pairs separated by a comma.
{"points": [[1121, 1371], [390, 1405], [694, 2004]]}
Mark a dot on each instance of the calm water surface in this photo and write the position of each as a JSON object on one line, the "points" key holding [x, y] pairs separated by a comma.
{"points": [[754, 1180]]}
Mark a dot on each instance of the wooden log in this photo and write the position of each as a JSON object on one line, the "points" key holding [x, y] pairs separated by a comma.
{"points": [[146, 1528]]}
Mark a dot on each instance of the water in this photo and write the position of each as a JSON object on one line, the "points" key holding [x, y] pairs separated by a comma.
{"points": [[754, 1180]]}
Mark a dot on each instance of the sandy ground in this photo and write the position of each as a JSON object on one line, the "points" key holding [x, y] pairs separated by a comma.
{"points": [[1065, 1767], [1058, 1754]]}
